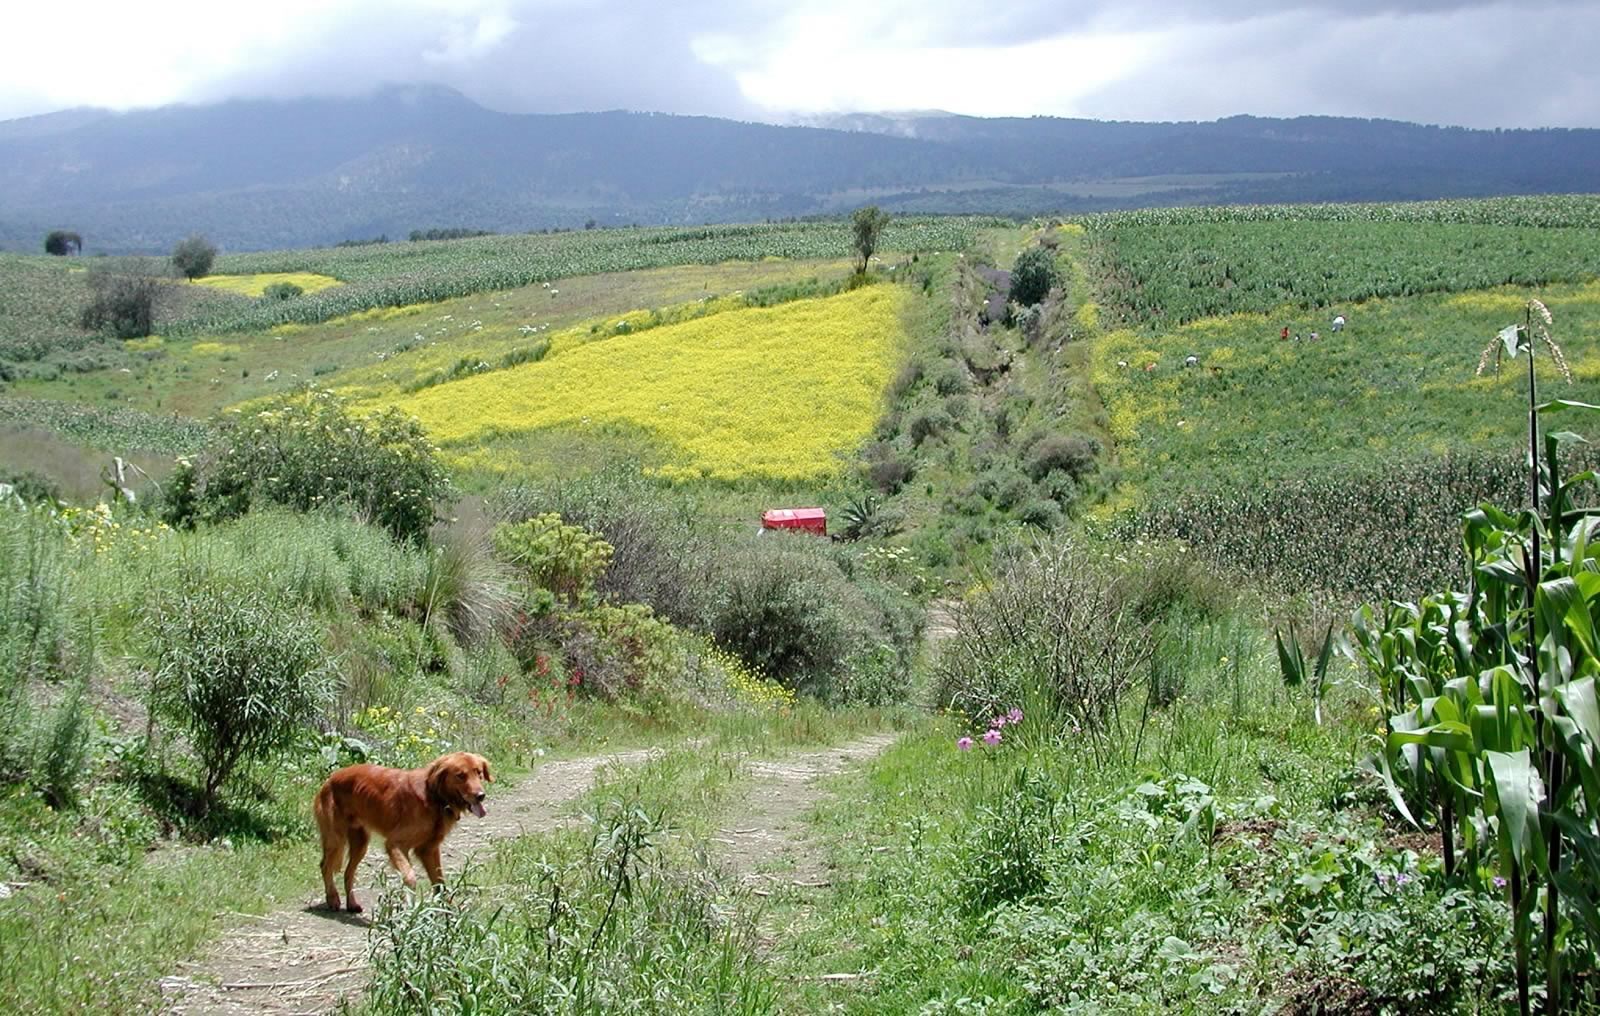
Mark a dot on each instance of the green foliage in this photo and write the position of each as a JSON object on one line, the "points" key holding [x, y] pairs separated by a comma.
{"points": [[309, 452], [1034, 275], [193, 257], [1049, 633], [281, 291], [866, 226], [562, 561], [61, 242], [113, 430], [237, 670], [122, 302]]}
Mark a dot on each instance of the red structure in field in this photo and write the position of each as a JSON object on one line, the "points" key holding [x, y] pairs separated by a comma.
{"points": [[811, 520]]}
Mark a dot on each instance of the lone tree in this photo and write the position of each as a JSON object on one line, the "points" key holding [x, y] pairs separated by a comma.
{"points": [[1034, 275], [193, 257], [62, 242], [868, 223]]}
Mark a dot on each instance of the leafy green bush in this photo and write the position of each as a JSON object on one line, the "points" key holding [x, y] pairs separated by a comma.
{"points": [[238, 671], [561, 563], [1034, 275], [281, 291], [309, 451], [1071, 454], [123, 301]]}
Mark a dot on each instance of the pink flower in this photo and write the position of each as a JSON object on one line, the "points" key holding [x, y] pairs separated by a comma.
{"points": [[1499, 883], [992, 738], [1015, 715], [965, 744], [998, 722]]}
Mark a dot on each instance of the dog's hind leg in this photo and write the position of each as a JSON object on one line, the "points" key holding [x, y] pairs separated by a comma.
{"points": [[333, 844], [359, 838]]}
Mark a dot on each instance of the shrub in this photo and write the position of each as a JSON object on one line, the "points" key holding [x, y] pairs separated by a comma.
{"points": [[1041, 513], [657, 557], [559, 561], [237, 670], [281, 291], [949, 378], [1072, 454], [1046, 631], [122, 301], [1034, 275], [61, 242], [889, 472], [926, 423], [307, 452], [32, 486], [193, 256]]}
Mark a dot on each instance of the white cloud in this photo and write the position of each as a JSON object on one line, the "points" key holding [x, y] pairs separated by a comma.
{"points": [[1477, 62]]}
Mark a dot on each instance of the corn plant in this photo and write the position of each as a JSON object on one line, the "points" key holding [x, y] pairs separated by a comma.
{"points": [[1491, 701]]}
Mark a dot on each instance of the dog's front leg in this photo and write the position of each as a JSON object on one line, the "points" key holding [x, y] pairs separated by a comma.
{"points": [[429, 856], [402, 864]]}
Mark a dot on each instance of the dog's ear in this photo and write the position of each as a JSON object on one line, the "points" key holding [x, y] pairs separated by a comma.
{"points": [[483, 766], [434, 780]]}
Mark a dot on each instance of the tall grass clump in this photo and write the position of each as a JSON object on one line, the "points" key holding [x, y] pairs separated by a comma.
{"points": [[47, 651], [589, 925]]}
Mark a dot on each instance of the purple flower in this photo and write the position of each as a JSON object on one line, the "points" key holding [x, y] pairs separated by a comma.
{"points": [[992, 738], [964, 744], [1015, 715], [1402, 879], [1499, 883], [997, 722]]}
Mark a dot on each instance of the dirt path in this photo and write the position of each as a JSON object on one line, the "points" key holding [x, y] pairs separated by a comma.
{"points": [[764, 841], [305, 959]]}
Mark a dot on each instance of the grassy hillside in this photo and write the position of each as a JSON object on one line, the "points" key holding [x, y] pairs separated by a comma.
{"points": [[786, 393]]}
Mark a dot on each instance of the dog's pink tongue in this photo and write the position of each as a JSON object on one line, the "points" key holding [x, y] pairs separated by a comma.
{"points": [[477, 809]]}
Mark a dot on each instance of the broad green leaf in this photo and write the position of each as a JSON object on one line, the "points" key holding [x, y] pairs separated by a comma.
{"points": [[1518, 792], [1556, 405], [1579, 701]]}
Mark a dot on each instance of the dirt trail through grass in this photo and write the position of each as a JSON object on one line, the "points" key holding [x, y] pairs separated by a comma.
{"points": [[305, 959], [764, 840]]}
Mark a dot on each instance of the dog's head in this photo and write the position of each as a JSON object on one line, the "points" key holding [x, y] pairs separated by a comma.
{"points": [[456, 781]]}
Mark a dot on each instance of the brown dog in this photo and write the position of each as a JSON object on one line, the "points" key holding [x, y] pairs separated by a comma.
{"points": [[412, 809]]}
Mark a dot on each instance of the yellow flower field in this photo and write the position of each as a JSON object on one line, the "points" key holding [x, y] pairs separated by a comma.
{"points": [[255, 285], [775, 392]]}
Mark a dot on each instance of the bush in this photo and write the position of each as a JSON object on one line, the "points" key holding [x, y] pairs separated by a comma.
{"points": [[561, 563], [281, 291], [122, 302], [657, 557], [31, 486], [1071, 454], [1034, 275], [1046, 632], [309, 452], [926, 423], [194, 256], [61, 242], [949, 378], [241, 673]]}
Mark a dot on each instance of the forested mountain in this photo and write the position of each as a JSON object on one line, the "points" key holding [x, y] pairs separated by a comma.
{"points": [[256, 174]]}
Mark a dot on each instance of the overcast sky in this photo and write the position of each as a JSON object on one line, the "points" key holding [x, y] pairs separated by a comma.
{"points": [[1433, 61]]}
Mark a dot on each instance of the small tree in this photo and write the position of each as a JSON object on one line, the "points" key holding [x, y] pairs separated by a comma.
{"points": [[194, 256], [122, 300], [62, 242], [867, 224], [281, 291], [1034, 275], [239, 671]]}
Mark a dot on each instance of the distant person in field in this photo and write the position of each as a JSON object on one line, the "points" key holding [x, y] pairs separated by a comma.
{"points": [[1338, 322], [1285, 336], [1315, 336]]}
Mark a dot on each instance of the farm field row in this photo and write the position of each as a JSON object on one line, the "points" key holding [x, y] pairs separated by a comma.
{"points": [[1400, 379]]}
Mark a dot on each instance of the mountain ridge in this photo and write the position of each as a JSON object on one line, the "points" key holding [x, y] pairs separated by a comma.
{"points": [[264, 173]]}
